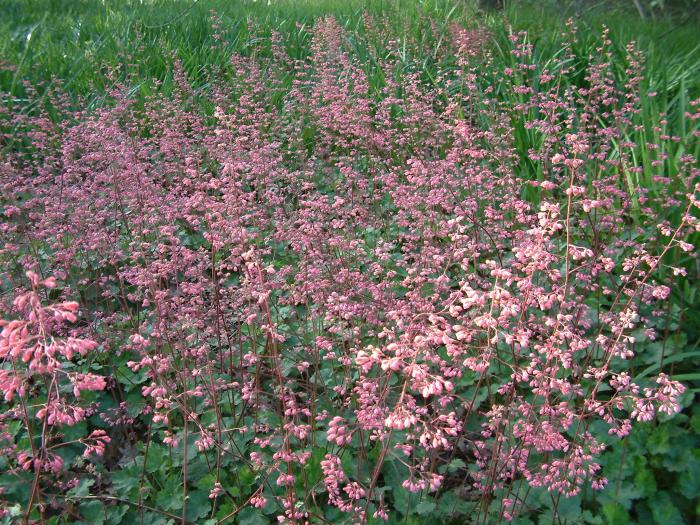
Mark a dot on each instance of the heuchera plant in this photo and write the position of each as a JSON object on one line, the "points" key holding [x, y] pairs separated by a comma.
{"points": [[327, 285], [35, 356]]}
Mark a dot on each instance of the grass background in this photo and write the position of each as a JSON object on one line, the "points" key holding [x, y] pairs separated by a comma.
{"points": [[78, 41]]}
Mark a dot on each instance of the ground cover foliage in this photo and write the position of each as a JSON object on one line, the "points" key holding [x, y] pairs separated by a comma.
{"points": [[345, 263]]}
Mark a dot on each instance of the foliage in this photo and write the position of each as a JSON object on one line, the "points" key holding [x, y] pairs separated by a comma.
{"points": [[366, 267]]}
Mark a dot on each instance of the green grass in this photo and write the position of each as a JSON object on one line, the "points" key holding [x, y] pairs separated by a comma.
{"points": [[78, 41]]}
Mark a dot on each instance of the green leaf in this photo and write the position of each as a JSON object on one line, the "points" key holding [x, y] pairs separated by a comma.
{"points": [[681, 442], [689, 480], [394, 474], [93, 512], [170, 496], [695, 423], [115, 513], [82, 488], [198, 505], [645, 481], [454, 465], [313, 465], [425, 507], [126, 481], [157, 458], [615, 514], [569, 508], [76, 431], [450, 504], [664, 510], [246, 477], [658, 442], [592, 519], [251, 516], [135, 403]]}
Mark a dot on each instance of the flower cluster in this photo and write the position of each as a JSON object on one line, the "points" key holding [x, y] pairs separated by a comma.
{"points": [[37, 359]]}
